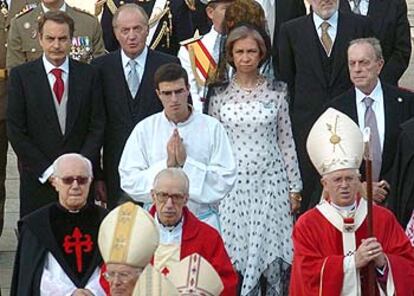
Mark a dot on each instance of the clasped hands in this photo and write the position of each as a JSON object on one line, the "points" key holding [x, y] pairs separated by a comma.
{"points": [[370, 250], [176, 154]]}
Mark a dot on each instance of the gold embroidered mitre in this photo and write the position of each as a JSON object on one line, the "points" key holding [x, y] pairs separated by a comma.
{"points": [[128, 235], [335, 142]]}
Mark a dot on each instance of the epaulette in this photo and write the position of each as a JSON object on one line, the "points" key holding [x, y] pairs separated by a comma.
{"points": [[193, 39], [25, 10], [190, 4], [83, 11]]}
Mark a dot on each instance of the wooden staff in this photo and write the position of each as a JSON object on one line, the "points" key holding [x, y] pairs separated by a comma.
{"points": [[368, 179]]}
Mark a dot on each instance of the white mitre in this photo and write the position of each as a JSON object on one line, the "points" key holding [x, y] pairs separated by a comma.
{"points": [[195, 276], [152, 283], [128, 235], [335, 142]]}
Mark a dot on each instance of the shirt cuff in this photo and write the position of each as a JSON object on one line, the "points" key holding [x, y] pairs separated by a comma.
{"points": [[46, 174]]}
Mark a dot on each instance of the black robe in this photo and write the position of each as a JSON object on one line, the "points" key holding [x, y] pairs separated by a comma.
{"points": [[401, 200], [36, 240]]}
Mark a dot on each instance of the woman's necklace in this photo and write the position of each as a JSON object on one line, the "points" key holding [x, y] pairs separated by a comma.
{"points": [[259, 81]]}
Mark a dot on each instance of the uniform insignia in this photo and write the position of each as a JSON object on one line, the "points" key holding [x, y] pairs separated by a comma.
{"points": [[200, 59], [34, 34], [25, 10], [81, 49], [26, 25], [400, 100]]}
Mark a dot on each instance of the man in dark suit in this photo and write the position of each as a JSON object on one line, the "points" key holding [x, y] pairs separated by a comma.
{"points": [[170, 22], [55, 107], [126, 102], [312, 51], [391, 27], [391, 107]]}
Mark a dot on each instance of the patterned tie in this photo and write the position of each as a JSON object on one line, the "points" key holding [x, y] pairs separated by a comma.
{"points": [[58, 86], [356, 8], [325, 38], [133, 79], [371, 121]]}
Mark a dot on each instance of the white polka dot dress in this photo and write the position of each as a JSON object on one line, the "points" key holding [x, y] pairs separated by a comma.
{"points": [[255, 219]]}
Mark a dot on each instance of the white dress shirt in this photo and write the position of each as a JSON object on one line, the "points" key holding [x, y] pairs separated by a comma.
{"points": [[332, 30], [140, 64], [378, 107], [363, 6], [60, 108]]}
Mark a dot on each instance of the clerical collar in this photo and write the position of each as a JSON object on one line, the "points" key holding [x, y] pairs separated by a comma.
{"points": [[348, 209], [170, 228], [65, 210]]}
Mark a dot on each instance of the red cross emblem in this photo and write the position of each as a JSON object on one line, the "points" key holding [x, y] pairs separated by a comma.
{"points": [[78, 243]]}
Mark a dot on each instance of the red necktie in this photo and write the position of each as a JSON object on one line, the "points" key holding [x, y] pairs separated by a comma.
{"points": [[58, 86]]}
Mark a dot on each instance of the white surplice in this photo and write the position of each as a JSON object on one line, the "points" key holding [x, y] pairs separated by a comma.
{"points": [[210, 164]]}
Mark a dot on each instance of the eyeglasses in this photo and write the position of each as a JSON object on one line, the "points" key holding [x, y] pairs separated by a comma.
{"points": [[177, 198], [82, 180], [123, 276], [177, 92]]}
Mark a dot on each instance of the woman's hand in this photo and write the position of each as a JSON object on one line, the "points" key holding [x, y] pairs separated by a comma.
{"points": [[295, 200]]}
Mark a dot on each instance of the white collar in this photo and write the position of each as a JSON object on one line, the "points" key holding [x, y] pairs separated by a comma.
{"points": [[176, 228], [140, 59], [333, 20], [345, 208], [49, 66], [375, 94], [189, 119], [45, 9]]}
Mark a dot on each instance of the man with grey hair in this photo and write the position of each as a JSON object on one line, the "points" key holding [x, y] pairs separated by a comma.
{"points": [[58, 252], [182, 233], [374, 103], [129, 94]]}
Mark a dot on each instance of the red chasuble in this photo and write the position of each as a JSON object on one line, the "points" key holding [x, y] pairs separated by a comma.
{"points": [[318, 254]]}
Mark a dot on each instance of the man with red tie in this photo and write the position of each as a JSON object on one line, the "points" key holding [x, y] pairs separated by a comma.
{"points": [[55, 107]]}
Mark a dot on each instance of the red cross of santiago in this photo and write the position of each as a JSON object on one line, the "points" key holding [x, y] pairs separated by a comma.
{"points": [[78, 243]]}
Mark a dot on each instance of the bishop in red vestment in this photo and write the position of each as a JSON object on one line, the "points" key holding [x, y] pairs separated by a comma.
{"points": [[331, 246]]}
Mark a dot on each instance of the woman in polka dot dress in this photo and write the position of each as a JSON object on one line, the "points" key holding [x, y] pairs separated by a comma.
{"points": [[256, 215]]}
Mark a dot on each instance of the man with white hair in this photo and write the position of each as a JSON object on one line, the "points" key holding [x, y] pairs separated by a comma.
{"points": [[58, 252], [182, 234], [332, 248]]}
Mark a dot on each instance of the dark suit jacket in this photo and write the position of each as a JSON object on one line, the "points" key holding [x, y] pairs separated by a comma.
{"points": [[300, 65], [285, 11], [391, 26], [33, 126], [181, 22], [398, 107], [120, 120]]}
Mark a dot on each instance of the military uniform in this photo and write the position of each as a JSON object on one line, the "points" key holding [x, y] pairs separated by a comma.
{"points": [[23, 44], [6, 14], [169, 21]]}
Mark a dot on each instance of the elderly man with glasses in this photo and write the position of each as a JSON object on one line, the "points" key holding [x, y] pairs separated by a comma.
{"points": [[181, 233], [57, 252]]}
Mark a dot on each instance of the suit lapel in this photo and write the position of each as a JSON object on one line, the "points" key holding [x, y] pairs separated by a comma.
{"points": [[75, 84], [349, 106], [45, 98], [391, 114], [311, 47], [340, 45]]}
